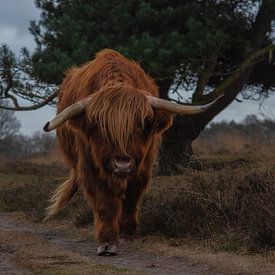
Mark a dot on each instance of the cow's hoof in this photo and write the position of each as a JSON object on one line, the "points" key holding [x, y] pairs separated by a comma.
{"points": [[106, 250], [126, 237]]}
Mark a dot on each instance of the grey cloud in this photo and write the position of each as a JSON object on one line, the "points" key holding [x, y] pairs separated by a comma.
{"points": [[32, 121], [17, 14], [11, 37], [238, 111]]}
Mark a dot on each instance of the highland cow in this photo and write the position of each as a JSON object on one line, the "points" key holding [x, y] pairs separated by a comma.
{"points": [[109, 126]]}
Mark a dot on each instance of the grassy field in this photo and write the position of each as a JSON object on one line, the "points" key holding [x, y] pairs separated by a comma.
{"points": [[227, 202], [223, 204]]}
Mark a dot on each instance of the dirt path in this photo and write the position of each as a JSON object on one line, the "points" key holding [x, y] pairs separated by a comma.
{"points": [[27, 248]]}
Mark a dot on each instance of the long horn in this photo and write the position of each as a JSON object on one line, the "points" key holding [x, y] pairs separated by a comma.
{"points": [[157, 103], [70, 112], [188, 110]]}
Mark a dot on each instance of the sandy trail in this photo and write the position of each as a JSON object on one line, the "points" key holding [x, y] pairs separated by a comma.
{"points": [[27, 248]]}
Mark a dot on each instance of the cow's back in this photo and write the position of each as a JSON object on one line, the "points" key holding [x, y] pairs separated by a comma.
{"points": [[108, 66]]}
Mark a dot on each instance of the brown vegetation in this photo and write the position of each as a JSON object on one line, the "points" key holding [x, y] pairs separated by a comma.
{"points": [[223, 200], [252, 138], [230, 207], [233, 205]]}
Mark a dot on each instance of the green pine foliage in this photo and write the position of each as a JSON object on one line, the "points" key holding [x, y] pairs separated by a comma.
{"points": [[165, 37]]}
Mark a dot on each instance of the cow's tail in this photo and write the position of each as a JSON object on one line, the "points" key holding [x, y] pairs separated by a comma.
{"points": [[61, 196]]}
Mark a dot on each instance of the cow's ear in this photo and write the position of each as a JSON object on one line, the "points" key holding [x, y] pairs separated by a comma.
{"points": [[162, 121], [81, 123], [78, 122]]}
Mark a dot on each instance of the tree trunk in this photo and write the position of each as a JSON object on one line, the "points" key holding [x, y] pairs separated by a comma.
{"points": [[176, 149], [164, 86]]}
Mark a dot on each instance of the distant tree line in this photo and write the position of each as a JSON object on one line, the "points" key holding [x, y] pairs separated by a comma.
{"points": [[15, 145], [251, 136], [251, 128]]}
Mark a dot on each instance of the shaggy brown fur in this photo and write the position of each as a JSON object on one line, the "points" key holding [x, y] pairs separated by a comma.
{"points": [[118, 121], [122, 103]]}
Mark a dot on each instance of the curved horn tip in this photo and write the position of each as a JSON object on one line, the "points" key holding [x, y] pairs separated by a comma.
{"points": [[46, 127]]}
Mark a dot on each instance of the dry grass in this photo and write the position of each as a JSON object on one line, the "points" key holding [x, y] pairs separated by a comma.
{"points": [[33, 254], [49, 158], [26, 187], [234, 143], [226, 202], [233, 206], [2, 161], [216, 262]]}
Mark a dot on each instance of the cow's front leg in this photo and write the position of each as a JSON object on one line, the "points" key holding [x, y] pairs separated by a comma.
{"points": [[107, 211], [130, 210]]}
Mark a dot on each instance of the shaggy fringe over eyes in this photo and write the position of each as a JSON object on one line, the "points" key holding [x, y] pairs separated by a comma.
{"points": [[117, 109]]}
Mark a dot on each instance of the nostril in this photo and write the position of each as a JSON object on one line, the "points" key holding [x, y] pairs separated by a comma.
{"points": [[123, 159]]}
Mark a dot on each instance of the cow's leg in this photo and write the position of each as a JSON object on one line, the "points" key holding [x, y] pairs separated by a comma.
{"points": [[107, 211], [132, 198], [135, 188]]}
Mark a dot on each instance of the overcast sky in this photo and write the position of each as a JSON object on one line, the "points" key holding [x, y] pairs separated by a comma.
{"points": [[14, 22]]}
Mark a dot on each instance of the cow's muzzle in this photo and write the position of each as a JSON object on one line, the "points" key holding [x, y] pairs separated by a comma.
{"points": [[121, 166]]}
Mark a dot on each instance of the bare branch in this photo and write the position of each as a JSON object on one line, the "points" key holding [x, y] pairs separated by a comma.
{"points": [[204, 76], [18, 82], [32, 107], [248, 62]]}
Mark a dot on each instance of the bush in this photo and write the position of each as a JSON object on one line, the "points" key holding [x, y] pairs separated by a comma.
{"points": [[237, 202]]}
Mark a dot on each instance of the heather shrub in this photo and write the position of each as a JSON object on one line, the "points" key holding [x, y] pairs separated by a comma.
{"points": [[237, 202]]}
